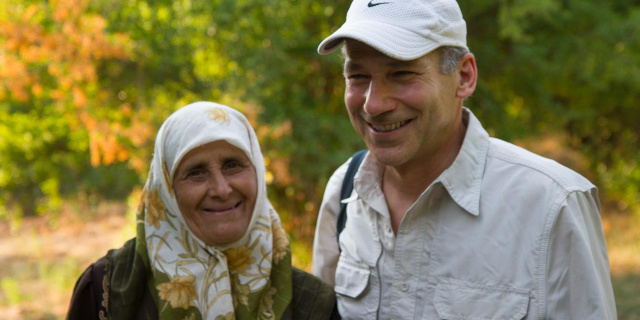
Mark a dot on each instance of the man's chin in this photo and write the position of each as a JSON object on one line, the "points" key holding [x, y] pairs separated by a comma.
{"points": [[392, 157]]}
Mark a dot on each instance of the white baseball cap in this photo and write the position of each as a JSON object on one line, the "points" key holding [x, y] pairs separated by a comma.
{"points": [[401, 29]]}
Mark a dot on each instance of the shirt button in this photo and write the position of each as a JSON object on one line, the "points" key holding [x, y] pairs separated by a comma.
{"points": [[404, 287]]}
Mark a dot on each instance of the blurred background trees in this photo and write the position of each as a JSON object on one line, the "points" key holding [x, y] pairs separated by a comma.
{"points": [[85, 84]]}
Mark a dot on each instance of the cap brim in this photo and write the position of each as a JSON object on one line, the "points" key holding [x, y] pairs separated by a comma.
{"points": [[393, 41]]}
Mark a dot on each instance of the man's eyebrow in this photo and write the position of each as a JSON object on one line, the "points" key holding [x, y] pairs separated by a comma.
{"points": [[405, 64], [350, 66], [400, 63]]}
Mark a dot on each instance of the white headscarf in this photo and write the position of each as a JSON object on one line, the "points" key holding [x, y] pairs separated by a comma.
{"points": [[194, 280]]}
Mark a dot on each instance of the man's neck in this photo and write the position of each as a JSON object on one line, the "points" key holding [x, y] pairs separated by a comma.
{"points": [[403, 185]]}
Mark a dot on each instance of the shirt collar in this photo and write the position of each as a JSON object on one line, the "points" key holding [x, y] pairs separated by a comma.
{"points": [[463, 179]]}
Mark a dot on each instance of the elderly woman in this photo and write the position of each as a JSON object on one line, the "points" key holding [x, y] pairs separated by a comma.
{"points": [[209, 245]]}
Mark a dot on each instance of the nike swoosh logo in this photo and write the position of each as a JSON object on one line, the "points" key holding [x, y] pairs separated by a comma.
{"points": [[371, 4]]}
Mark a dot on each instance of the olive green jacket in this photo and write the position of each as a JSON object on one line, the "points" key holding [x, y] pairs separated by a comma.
{"points": [[119, 286]]}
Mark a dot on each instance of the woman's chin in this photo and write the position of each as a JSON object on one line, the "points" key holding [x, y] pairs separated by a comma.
{"points": [[221, 233]]}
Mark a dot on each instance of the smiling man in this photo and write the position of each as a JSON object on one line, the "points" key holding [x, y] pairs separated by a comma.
{"points": [[445, 222]]}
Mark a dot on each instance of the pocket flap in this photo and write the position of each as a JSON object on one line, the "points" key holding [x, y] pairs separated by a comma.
{"points": [[351, 280], [470, 301]]}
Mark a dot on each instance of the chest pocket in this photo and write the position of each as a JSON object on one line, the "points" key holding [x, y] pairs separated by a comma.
{"points": [[356, 290], [463, 301]]}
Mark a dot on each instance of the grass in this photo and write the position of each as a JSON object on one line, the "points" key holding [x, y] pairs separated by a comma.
{"points": [[627, 293], [622, 230], [39, 263]]}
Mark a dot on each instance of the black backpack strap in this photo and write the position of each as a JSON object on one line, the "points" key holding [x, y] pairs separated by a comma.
{"points": [[347, 187]]}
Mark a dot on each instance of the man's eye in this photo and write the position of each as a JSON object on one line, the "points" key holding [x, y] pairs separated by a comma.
{"points": [[402, 73], [356, 79], [356, 76]]}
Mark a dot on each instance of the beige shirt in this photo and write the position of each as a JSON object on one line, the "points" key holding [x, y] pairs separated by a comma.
{"points": [[501, 234]]}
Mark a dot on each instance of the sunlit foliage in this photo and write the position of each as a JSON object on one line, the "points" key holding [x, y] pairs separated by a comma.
{"points": [[85, 84], [51, 100], [565, 66]]}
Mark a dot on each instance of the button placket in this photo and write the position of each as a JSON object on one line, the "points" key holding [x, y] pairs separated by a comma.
{"points": [[409, 244]]}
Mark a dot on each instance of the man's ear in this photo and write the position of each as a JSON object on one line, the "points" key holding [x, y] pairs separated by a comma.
{"points": [[468, 73]]}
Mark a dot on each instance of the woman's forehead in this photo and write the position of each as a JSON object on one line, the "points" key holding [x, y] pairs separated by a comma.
{"points": [[219, 148]]}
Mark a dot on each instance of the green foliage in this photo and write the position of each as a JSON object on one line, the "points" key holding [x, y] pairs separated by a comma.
{"points": [[11, 291], [626, 293], [60, 275], [245, 54], [36, 152], [621, 180], [570, 66], [301, 255], [47, 75]]}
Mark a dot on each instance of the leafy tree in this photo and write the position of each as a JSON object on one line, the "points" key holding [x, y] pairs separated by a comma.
{"points": [[258, 57], [84, 86], [50, 99], [566, 66]]}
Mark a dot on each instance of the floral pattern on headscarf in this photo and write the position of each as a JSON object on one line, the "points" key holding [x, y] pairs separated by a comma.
{"points": [[192, 279]]}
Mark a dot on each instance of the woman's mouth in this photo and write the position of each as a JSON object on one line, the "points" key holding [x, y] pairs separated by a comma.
{"points": [[388, 127], [222, 210]]}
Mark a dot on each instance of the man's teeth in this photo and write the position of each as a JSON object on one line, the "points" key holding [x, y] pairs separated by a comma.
{"points": [[389, 127]]}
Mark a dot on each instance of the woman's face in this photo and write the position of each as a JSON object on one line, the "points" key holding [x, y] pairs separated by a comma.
{"points": [[216, 188]]}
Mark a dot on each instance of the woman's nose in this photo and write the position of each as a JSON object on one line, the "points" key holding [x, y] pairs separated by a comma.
{"points": [[219, 186]]}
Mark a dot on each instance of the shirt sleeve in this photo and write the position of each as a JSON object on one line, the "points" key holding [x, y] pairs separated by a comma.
{"points": [[325, 243], [578, 277]]}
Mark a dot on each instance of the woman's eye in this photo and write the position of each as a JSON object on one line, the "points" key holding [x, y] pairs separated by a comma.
{"points": [[233, 166], [196, 173]]}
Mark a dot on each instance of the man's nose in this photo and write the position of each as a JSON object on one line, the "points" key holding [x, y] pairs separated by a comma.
{"points": [[378, 98]]}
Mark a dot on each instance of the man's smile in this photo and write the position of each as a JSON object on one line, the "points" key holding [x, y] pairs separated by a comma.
{"points": [[389, 126]]}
